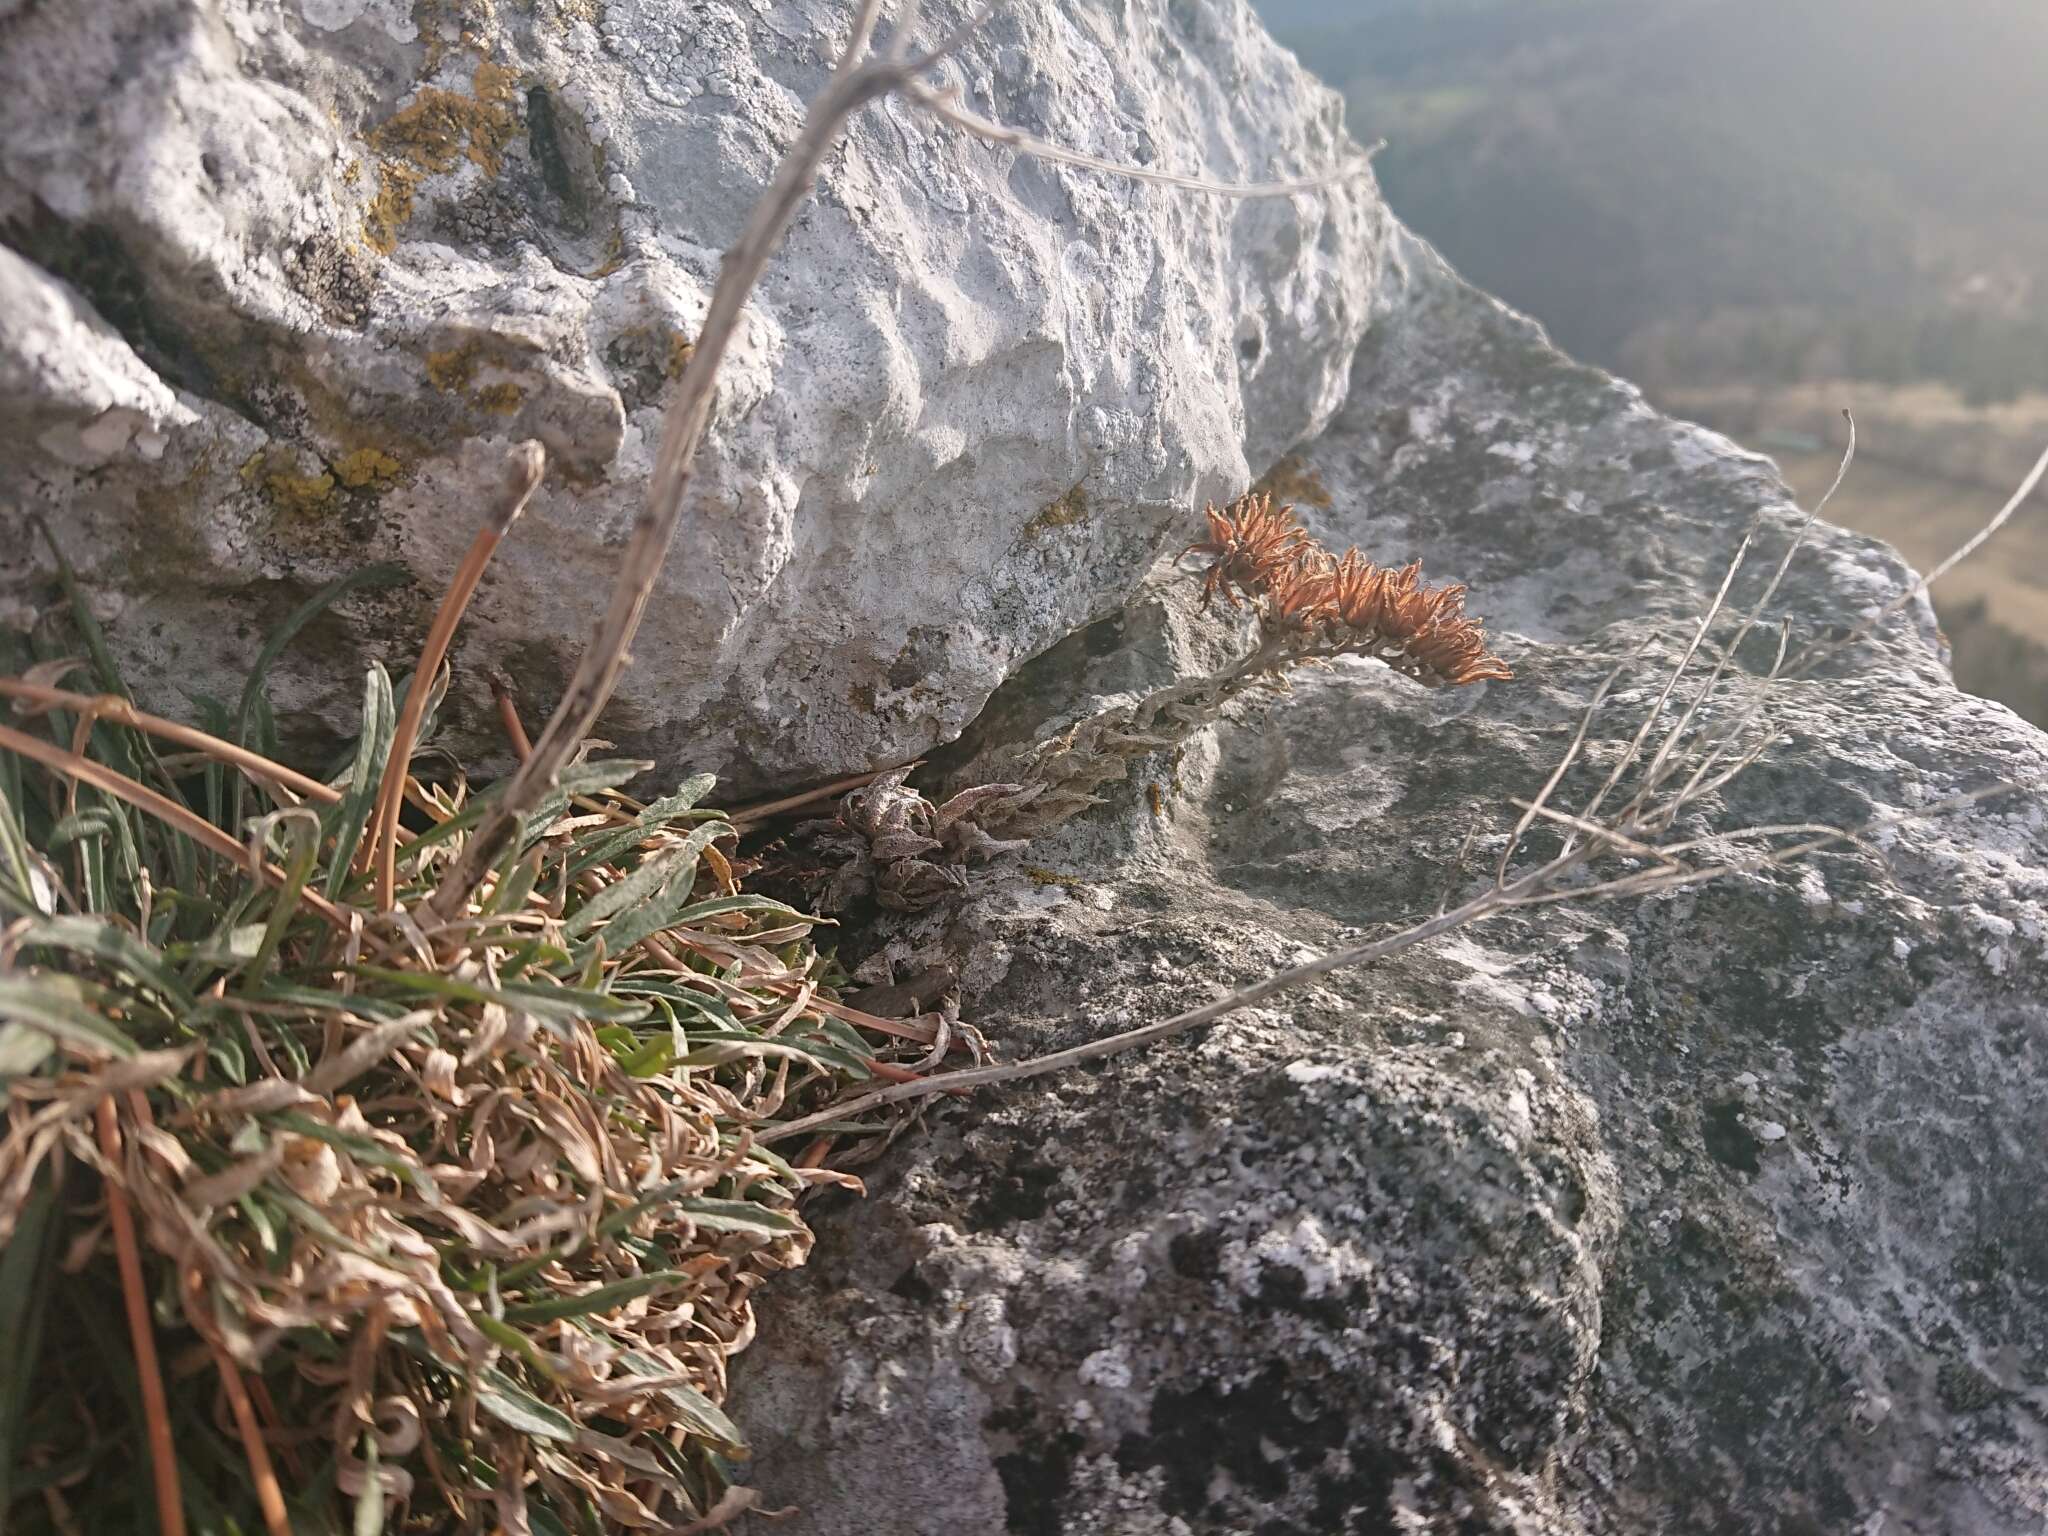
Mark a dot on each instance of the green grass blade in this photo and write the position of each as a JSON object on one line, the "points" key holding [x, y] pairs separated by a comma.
{"points": [[254, 707], [350, 819], [724, 904], [514, 884], [28, 1264], [131, 751], [603, 1299], [112, 946], [305, 851], [702, 1415], [558, 1004], [587, 779], [516, 1408], [17, 868], [103, 666], [22, 1050], [386, 575], [670, 873], [604, 847], [215, 720], [735, 1216], [319, 1000], [714, 1048], [65, 1007]]}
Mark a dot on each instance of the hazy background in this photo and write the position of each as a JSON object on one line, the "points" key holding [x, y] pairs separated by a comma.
{"points": [[1761, 211]]}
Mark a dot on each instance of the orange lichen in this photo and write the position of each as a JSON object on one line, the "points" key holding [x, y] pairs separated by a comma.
{"points": [[276, 472], [452, 368]]}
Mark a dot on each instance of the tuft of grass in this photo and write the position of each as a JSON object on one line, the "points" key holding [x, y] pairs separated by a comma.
{"points": [[414, 1224]]}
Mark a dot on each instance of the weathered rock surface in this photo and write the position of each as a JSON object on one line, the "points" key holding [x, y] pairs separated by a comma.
{"points": [[282, 270], [1717, 1212]]}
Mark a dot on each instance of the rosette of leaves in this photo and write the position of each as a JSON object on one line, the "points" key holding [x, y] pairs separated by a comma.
{"points": [[889, 843]]}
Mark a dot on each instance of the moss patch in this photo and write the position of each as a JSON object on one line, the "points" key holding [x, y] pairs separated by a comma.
{"points": [[1294, 481], [366, 467], [501, 399], [452, 368], [1070, 508]]}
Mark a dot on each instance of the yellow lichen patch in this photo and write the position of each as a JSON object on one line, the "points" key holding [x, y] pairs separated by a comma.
{"points": [[385, 219], [1294, 481], [438, 129], [366, 467], [433, 134], [614, 256], [1039, 876], [1155, 797], [680, 351], [452, 368], [276, 473], [1071, 507]]}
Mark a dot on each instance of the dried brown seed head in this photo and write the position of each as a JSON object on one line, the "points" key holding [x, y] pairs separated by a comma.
{"points": [[1250, 542]]}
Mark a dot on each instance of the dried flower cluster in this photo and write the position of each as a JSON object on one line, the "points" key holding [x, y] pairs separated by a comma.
{"points": [[1311, 606], [1342, 605]]}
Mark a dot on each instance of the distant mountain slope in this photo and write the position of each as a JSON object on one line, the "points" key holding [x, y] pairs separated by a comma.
{"points": [[1719, 189]]}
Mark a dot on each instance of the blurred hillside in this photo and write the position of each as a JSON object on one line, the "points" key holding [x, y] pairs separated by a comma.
{"points": [[1759, 210], [1709, 190]]}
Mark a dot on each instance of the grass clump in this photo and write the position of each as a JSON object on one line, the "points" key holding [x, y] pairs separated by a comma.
{"points": [[415, 1225]]}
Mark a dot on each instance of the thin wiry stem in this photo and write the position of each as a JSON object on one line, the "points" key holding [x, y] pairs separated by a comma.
{"points": [[262, 1474], [761, 810], [604, 661], [954, 40], [1095, 1050], [1633, 753], [1820, 651], [522, 480], [1734, 730], [1653, 776], [1564, 764], [116, 710], [82, 770], [163, 1456]]}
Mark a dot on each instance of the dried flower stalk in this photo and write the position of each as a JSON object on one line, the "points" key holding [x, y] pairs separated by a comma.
{"points": [[1310, 606]]}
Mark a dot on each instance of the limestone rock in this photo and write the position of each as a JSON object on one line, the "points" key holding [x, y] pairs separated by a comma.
{"points": [[298, 264], [1720, 1211]]}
